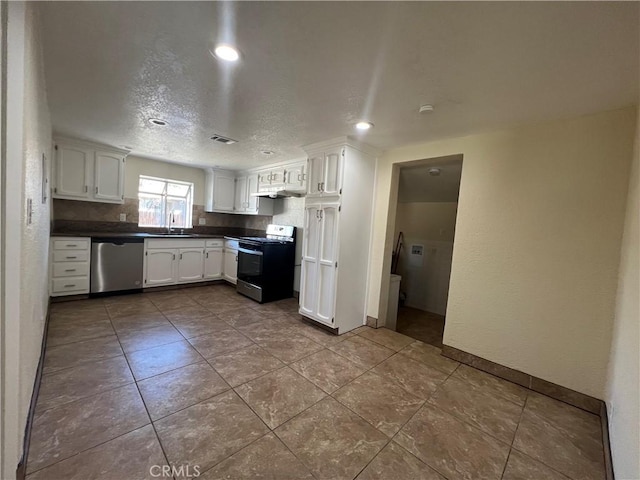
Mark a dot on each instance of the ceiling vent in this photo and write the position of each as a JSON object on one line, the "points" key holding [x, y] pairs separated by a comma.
{"points": [[221, 139]]}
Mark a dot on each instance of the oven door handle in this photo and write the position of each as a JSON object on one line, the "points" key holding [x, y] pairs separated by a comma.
{"points": [[249, 252]]}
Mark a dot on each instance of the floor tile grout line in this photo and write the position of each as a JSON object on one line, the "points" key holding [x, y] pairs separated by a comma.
{"points": [[543, 463], [144, 404], [90, 448]]}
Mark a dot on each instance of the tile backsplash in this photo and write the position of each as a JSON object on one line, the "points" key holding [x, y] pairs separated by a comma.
{"points": [[66, 212]]}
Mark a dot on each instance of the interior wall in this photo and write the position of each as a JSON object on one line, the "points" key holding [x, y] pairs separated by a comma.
{"points": [[25, 246], [538, 233], [623, 391], [290, 211], [425, 277]]}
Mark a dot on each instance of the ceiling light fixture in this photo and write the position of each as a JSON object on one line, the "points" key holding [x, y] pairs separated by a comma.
{"points": [[266, 152], [158, 122], [363, 126], [226, 53], [434, 172], [426, 108]]}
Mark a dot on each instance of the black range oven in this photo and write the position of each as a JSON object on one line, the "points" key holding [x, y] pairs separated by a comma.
{"points": [[266, 264]]}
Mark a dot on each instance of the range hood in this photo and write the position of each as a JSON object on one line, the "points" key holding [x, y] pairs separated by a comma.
{"points": [[278, 193]]}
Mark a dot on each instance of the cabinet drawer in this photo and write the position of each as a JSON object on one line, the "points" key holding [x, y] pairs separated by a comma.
{"points": [[214, 243], [70, 269], [70, 285], [72, 244], [71, 256], [173, 243]]}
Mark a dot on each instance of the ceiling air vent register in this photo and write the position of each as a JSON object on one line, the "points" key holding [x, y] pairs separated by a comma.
{"points": [[221, 139]]}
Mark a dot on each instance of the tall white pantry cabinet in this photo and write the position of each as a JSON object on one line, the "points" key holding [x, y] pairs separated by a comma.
{"points": [[337, 233]]}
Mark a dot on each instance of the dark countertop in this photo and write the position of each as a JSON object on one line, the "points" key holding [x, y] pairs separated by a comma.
{"points": [[141, 235], [133, 235]]}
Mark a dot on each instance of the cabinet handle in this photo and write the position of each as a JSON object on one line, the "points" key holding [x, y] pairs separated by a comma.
{"points": [[86, 189], [70, 285], [236, 258], [71, 257], [207, 255], [174, 256], [319, 187], [71, 245], [180, 256], [96, 190], [322, 186], [70, 270]]}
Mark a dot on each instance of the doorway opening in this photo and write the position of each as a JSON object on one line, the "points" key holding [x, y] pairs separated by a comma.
{"points": [[424, 233]]}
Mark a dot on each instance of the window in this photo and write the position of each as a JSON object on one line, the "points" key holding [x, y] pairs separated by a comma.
{"points": [[163, 202]]}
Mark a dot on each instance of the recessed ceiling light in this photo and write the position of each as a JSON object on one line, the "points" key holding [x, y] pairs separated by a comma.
{"points": [[364, 125], [226, 53], [158, 122], [266, 152]]}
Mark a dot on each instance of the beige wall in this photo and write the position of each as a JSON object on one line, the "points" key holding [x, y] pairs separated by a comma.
{"points": [[25, 249], [538, 234], [426, 220], [431, 225], [623, 392], [136, 166]]}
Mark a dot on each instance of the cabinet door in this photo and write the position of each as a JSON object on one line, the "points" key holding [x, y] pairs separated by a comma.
{"points": [[328, 262], [212, 263], [160, 268], [316, 174], [230, 265], [240, 202], [252, 187], [264, 181], [277, 177], [223, 192], [310, 253], [332, 182], [295, 179], [190, 265], [109, 177], [73, 171]]}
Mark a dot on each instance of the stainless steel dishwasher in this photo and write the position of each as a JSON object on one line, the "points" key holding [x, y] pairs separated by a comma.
{"points": [[116, 264]]}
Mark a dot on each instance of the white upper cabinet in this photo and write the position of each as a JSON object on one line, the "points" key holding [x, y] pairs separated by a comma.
{"points": [[223, 189], [325, 172], [88, 172], [231, 192], [73, 172], [109, 177], [295, 177]]}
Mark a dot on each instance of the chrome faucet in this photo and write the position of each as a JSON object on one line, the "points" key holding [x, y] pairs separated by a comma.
{"points": [[170, 223]]}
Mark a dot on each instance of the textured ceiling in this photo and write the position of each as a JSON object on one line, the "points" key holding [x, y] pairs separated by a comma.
{"points": [[309, 70]]}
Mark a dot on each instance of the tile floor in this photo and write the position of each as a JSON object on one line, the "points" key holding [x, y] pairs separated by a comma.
{"points": [[424, 326], [211, 382]]}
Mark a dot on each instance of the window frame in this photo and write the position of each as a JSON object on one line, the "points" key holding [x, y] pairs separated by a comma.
{"points": [[164, 197]]}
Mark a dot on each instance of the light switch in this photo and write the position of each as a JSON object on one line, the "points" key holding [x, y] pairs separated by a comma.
{"points": [[202, 221], [123, 217]]}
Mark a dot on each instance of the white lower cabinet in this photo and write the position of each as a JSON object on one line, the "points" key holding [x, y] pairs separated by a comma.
{"points": [[319, 262], [160, 267], [230, 268], [171, 261], [213, 254], [191, 265], [69, 266]]}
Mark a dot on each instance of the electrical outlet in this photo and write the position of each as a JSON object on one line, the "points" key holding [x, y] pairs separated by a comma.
{"points": [[202, 221], [123, 217]]}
